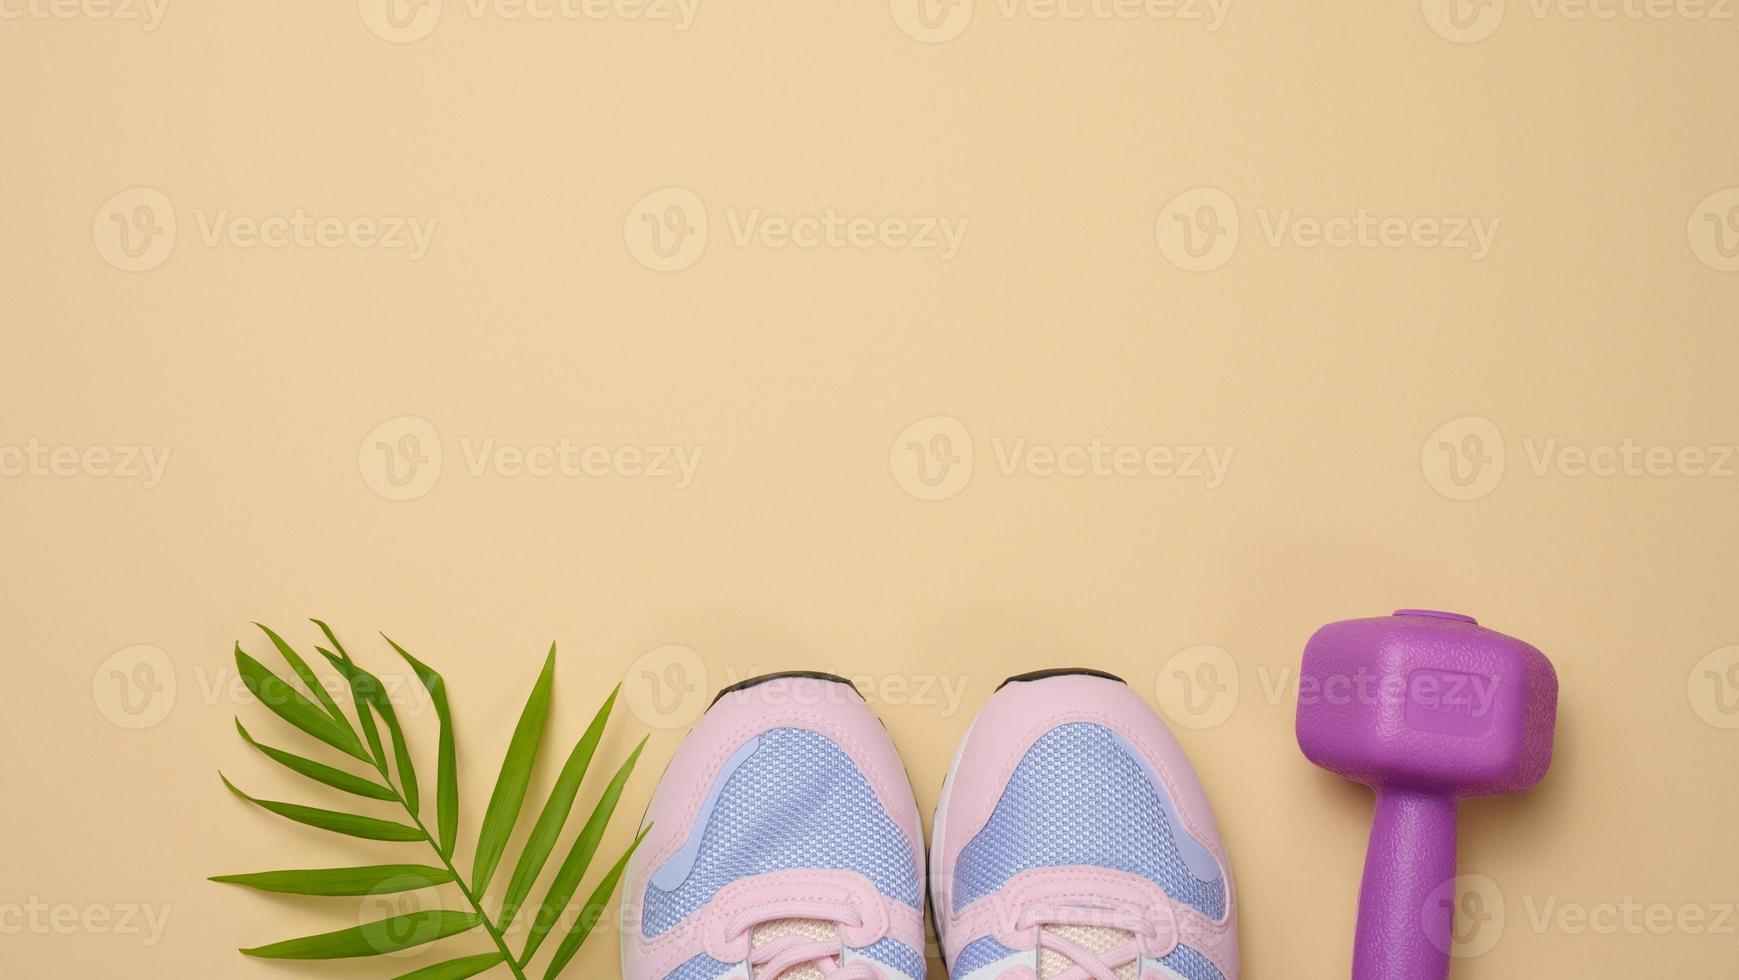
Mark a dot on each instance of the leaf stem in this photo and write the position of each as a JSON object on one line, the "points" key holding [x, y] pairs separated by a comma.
{"points": [[489, 926]]}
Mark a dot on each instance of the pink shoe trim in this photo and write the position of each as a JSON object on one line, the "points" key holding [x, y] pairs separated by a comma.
{"points": [[1130, 902], [711, 930], [1006, 729], [827, 708]]}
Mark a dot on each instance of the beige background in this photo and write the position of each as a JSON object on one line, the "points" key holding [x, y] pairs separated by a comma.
{"points": [[1359, 390]]}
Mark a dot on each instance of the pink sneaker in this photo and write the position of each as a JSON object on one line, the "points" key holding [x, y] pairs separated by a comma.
{"points": [[1074, 842], [785, 846]]}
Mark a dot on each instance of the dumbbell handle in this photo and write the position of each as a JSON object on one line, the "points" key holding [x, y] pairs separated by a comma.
{"points": [[1406, 914]]}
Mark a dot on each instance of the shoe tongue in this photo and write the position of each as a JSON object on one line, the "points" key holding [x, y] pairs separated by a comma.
{"points": [[778, 929], [1099, 939]]}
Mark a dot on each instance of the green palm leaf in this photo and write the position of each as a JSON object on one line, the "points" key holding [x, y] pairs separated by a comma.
{"points": [[369, 689], [515, 776], [320, 772], [363, 716], [573, 870], [326, 722], [367, 828], [447, 776], [379, 879], [284, 701], [459, 969], [555, 812], [309, 678], [373, 938], [593, 911]]}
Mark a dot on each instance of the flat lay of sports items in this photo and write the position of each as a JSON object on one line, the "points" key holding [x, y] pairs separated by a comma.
{"points": [[1072, 840]]}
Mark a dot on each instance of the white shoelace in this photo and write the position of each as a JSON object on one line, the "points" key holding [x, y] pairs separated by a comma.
{"points": [[806, 942], [1078, 943]]}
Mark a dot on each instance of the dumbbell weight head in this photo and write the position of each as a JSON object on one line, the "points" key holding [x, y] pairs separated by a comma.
{"points": [[1427, 708]]}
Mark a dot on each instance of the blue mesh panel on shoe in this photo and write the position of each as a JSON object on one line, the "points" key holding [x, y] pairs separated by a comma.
{"points": [[797, 802], [978, 955], [898, 955], [1191, 965], [1078, 799], [702, 967]]}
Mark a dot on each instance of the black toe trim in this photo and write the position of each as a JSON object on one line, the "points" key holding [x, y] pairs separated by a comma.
{"points": [[813, 675], [1039, 675]]}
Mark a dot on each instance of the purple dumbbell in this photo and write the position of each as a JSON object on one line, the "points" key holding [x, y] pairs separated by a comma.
{"points": [[1427, 708]]}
